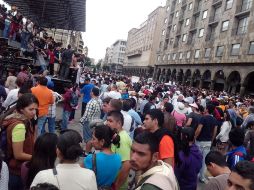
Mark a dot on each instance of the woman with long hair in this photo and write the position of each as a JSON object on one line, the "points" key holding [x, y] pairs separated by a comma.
{"points": [[20, 137], [105, 163], [223, 136], [190, 160], [68, 174], [44, 157]]}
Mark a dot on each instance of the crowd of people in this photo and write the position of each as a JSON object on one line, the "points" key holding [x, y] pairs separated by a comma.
{"points": [[136, 135]]}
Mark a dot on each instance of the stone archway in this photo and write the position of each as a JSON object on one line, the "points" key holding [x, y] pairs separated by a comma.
{"points": [[206, 79], [158, 74], [196, 78], [248, 84], [168, 75], [234, 82], [180, 76], [187, 78], [173, 75], [219, 81], [163, 76]]}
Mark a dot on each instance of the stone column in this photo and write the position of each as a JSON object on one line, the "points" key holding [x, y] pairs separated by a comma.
{"points": [[212, 84], [242, 90]]}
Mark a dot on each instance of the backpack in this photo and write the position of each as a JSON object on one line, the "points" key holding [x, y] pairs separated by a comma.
{"points": [[3, 131], [74, 100]]}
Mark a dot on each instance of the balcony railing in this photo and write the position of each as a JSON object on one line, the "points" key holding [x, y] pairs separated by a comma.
{"points": [[196, 10], [184, 3], [214, 19], [215, 2], [240, 31], [244, 7], [210, 37], [193, 26]]}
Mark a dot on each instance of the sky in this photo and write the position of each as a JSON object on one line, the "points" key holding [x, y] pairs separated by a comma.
{"points": [[110, 20]]}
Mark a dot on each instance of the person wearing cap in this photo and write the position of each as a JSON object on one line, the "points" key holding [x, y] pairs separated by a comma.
{"points": [[187, 102], [194, 117]]}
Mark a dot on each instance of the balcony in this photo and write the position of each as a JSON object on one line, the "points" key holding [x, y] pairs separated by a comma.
{"points": [[196, 10], [191, 41], [184, 3], [170, 21], [167, 35], [181, 18], [135, 53], [243, 9], [240, 31], [179, 31], [176, 45], [214, 20], [216, 2], [193, 26], [210, 37]]}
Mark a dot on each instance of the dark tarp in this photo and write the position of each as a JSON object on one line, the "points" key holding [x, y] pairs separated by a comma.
{"points": [[60, 14]]}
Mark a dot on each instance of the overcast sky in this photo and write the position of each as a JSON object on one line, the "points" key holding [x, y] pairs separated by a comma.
{"points": [[109, 20]]}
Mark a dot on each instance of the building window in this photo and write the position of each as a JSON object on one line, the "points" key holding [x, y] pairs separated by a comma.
{"points": [[159, 58], [204, 14], [229, 4], [207, 52], [190, 6], [168, 56], [181, 55], [187, 22], [201, 32], [179, 1], [251, 50], [174, 27], [188, 54], [177, 14], [164, 57], [174, 56], [163, 32], [242, 26], [171, 41], [184, 37], [167, 8], [220, 50], [224, 26], [165, 21], [235, 49], [197, 53]]}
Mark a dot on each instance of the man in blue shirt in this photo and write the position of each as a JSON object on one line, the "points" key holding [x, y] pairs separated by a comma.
{"points": [[238, 152], [86, 90]]}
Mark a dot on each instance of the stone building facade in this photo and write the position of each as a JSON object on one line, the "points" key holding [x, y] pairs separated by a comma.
{"points": [[209, 44], [143, 43], [115, 56]]}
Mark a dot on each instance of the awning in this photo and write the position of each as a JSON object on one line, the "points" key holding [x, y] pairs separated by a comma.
{"points": [[60, 14]]}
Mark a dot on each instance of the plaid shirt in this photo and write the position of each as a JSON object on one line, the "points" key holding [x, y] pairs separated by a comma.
{"points": [[93, 110]]}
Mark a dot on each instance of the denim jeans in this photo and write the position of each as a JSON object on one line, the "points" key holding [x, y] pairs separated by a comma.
{"points": [[24, 39], [6, 29], [65, 119], [43, 68], [204, 147], [41, 127], [51, 124], [87, 132], [15, 182]]}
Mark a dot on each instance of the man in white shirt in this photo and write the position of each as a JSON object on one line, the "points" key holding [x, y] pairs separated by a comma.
{"points": [[13, 94], [114, 94]]}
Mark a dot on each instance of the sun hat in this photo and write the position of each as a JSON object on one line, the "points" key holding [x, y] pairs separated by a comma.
{"points": [[180, 108]]}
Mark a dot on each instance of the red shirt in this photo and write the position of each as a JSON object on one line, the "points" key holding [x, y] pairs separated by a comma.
{"points": [[51, 57]]}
